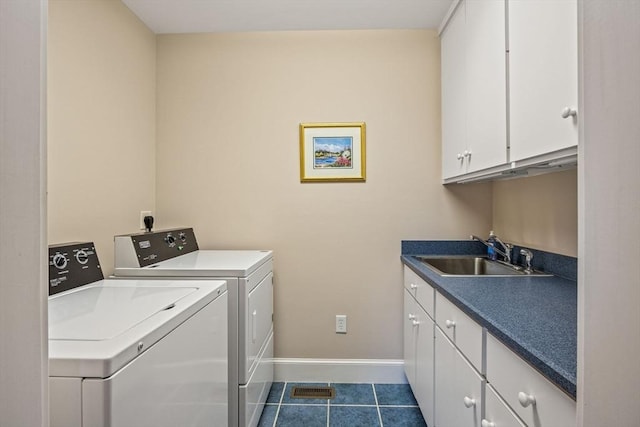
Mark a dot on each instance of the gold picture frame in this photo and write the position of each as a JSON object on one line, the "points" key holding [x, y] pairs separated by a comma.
{"points": [[332, 152]]}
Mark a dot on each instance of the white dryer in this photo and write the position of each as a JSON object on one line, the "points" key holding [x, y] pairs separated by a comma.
{"points": [[173, 254], [140, 353]]}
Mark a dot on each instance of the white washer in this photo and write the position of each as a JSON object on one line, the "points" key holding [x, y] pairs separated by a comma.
{"points": [[249, 275], [126, 353]]}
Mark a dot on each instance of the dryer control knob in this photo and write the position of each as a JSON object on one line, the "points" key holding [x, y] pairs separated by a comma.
{"points": [[170, 240]]}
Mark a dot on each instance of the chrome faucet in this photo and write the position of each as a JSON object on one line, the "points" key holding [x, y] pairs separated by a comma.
{"points": [[506, 247]]}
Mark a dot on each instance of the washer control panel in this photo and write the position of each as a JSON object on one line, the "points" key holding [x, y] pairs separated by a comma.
{"points": [[158, 246], [72, 265]]}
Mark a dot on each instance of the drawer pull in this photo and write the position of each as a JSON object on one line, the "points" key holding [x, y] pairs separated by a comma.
{"points": [[486, 423], [450, 324], [413, 286], [469, 402], [526, 399]]}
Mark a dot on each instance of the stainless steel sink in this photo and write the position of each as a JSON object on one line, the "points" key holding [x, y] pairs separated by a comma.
{"points": [[472, 266]]}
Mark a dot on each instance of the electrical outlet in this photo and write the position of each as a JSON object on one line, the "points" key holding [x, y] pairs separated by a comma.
{"points": [[142, 215], [341, 323]]}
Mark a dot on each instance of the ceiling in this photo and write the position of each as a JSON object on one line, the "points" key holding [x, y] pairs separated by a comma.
{"points": [[197, 16]]}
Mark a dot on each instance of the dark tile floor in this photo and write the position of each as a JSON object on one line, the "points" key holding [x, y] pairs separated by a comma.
{"points": [[354, 405]]}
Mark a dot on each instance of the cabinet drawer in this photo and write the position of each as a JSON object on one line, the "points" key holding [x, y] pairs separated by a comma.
{"points": [[497, 412], [419, 289], [511, 376], [461, 329]]}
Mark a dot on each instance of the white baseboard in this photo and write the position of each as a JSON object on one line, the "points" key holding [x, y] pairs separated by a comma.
{"points": [[380, 371]]}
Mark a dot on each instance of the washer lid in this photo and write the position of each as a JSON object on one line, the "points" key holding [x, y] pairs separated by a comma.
{"points": [[103, 313], [97, 329]]}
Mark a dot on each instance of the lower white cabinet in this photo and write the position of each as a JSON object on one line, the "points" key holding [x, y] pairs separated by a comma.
{"points": [[418, 355], [461, 379], [532, 397], [458, 387], [496, 412]]}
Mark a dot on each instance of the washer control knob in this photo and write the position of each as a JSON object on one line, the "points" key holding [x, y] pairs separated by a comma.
{"points": [[182, 237], [59, 261], [82, 257]]}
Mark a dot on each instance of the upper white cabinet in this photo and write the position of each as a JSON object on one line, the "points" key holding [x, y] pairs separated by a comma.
{"points": [[454, 94], [543, 76], [474, 88], [509, 87]]}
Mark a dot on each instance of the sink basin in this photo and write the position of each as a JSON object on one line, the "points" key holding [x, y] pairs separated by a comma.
{"points": [[472, 266]]}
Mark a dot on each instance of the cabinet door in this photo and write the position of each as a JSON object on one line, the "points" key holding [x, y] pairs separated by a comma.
{"points": [[458, 387], [543, 76], [425, 381], [454, 95], [486, 84], [410, 337], [419, 355]]}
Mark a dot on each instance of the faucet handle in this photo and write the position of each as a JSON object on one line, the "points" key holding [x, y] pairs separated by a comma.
{"points": [[528, 256]]}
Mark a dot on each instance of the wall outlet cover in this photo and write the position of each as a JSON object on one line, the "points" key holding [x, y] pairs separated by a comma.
{"points": [[341, 323]]}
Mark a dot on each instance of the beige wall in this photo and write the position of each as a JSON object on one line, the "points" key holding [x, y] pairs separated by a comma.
{"points": [[229, 106], [101, 122], [539, 212]]}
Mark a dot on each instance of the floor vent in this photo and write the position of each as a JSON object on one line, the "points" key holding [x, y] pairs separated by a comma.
{"points": [[307, 392]]}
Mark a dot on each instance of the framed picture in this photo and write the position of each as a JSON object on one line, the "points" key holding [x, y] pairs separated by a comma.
{"points": [[332, 152]]}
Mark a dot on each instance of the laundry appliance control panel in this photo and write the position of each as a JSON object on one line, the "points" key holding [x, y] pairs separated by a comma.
{"points": [[72, 265], [156, 246]]}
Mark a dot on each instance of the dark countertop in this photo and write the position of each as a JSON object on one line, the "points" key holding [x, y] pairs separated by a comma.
{"points": [[536, 317]]}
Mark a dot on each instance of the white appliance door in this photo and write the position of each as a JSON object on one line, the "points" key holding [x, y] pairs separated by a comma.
{"points": [[259, 322], [179, 381]]}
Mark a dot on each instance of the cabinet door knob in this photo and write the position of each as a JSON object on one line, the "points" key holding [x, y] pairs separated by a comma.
{"points": [[486, 423], [526, 399], [450, 324], [569, 112], [415, 323], [412, 316], [467, 153], [460, 156], [469, 402], [413, 286]]}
